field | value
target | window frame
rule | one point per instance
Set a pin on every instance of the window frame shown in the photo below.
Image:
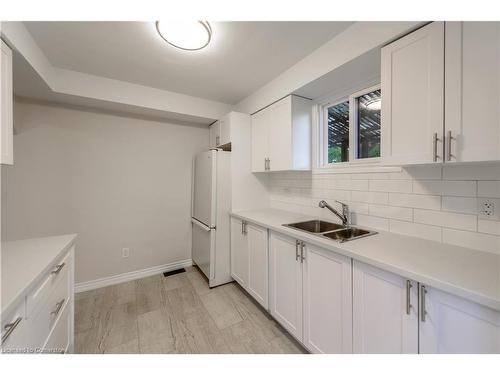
(353, 131)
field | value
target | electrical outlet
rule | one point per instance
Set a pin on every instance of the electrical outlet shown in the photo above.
(488, 208)
(125, 252)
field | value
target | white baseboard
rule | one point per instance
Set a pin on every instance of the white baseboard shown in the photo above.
(128, 276)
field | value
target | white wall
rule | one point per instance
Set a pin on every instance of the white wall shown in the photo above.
(356, 40)
(116, 181)
(431, 202)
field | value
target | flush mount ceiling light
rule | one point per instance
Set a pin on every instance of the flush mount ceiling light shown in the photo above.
(186, 35)
(374, 104)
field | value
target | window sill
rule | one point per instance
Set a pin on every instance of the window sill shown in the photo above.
(355, 167)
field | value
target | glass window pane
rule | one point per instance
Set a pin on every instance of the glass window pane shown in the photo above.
(338, 133)
(368, 126)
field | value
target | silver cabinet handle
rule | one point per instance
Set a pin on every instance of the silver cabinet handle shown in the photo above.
(242, 227)
(449, 139)
(435, 141)
(9, 328)
(245, 227)
(217, 140)
(297, 243)
(423, 292)
(302, 257)
(268, 164)
(59, 305)
(58, 268)
(408, 304)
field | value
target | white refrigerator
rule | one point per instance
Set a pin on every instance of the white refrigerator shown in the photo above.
(210, 215)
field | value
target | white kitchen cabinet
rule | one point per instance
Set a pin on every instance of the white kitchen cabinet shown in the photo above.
(6, 109)
(472, 91)
(239, 252)
(258, 262)
(281, 136)
(385, 311)
(250, 259)
(220, 132)
(412, 83)
(327, 289)
(454, 325)
(285, 283)
(215, 134)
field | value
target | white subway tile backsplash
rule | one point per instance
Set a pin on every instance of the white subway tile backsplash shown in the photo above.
(452, 188)
(471, 172)
(370, 221)
(488, 189)
(460, 204)
(391, 212)
(395, 186)
(370, 197)
(472, 240)
(445, 219)
(428, 232)
(432, 202)
(489, 226)
(424, 172)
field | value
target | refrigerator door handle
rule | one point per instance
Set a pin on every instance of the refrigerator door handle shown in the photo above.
(201, 225)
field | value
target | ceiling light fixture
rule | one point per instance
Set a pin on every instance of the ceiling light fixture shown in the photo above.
(186, 35)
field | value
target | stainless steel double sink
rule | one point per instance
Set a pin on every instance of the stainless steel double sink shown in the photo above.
(333, 231)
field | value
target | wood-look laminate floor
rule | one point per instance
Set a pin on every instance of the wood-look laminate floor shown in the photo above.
(175, 314)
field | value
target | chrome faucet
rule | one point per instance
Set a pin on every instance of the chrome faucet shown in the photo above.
(344, 216)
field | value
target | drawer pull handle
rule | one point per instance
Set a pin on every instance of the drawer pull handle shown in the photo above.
(59, 305)
(10, 328)
(58, 269)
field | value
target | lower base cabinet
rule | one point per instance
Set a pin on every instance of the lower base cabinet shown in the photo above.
(250, 259)
(385, 314)
(310, 294)
(285, 283)
(454, 325)
(327, 291)
(394, 315)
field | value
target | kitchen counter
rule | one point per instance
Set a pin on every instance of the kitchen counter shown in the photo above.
(24, 262)
(471, 274)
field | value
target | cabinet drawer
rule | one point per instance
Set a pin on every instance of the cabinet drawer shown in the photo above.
(58, 341)
(14, 331)
(40, 294)
(44, 316)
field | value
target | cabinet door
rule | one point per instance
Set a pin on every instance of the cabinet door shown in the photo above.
(381, 321)
(412, 76)
(285, 278)
(280, 135)
(258, 261)
(225, 130)
(454, 325)
(260, 140)
(327, 301)
(215, 135)
(6, 94)
(239, 253)
(472, 91)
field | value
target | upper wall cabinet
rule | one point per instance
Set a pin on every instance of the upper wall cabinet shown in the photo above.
(6, 118)
(281, 136)
(472, 91)
(412, 76)
(220, 132)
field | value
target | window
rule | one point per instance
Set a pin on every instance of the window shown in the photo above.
(368, 124)
(338, 132)
(351, 128)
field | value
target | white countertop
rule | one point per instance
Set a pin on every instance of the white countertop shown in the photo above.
(24, 262)
(471, 274)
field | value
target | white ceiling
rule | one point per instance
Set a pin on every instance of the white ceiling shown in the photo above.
(242, 56)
